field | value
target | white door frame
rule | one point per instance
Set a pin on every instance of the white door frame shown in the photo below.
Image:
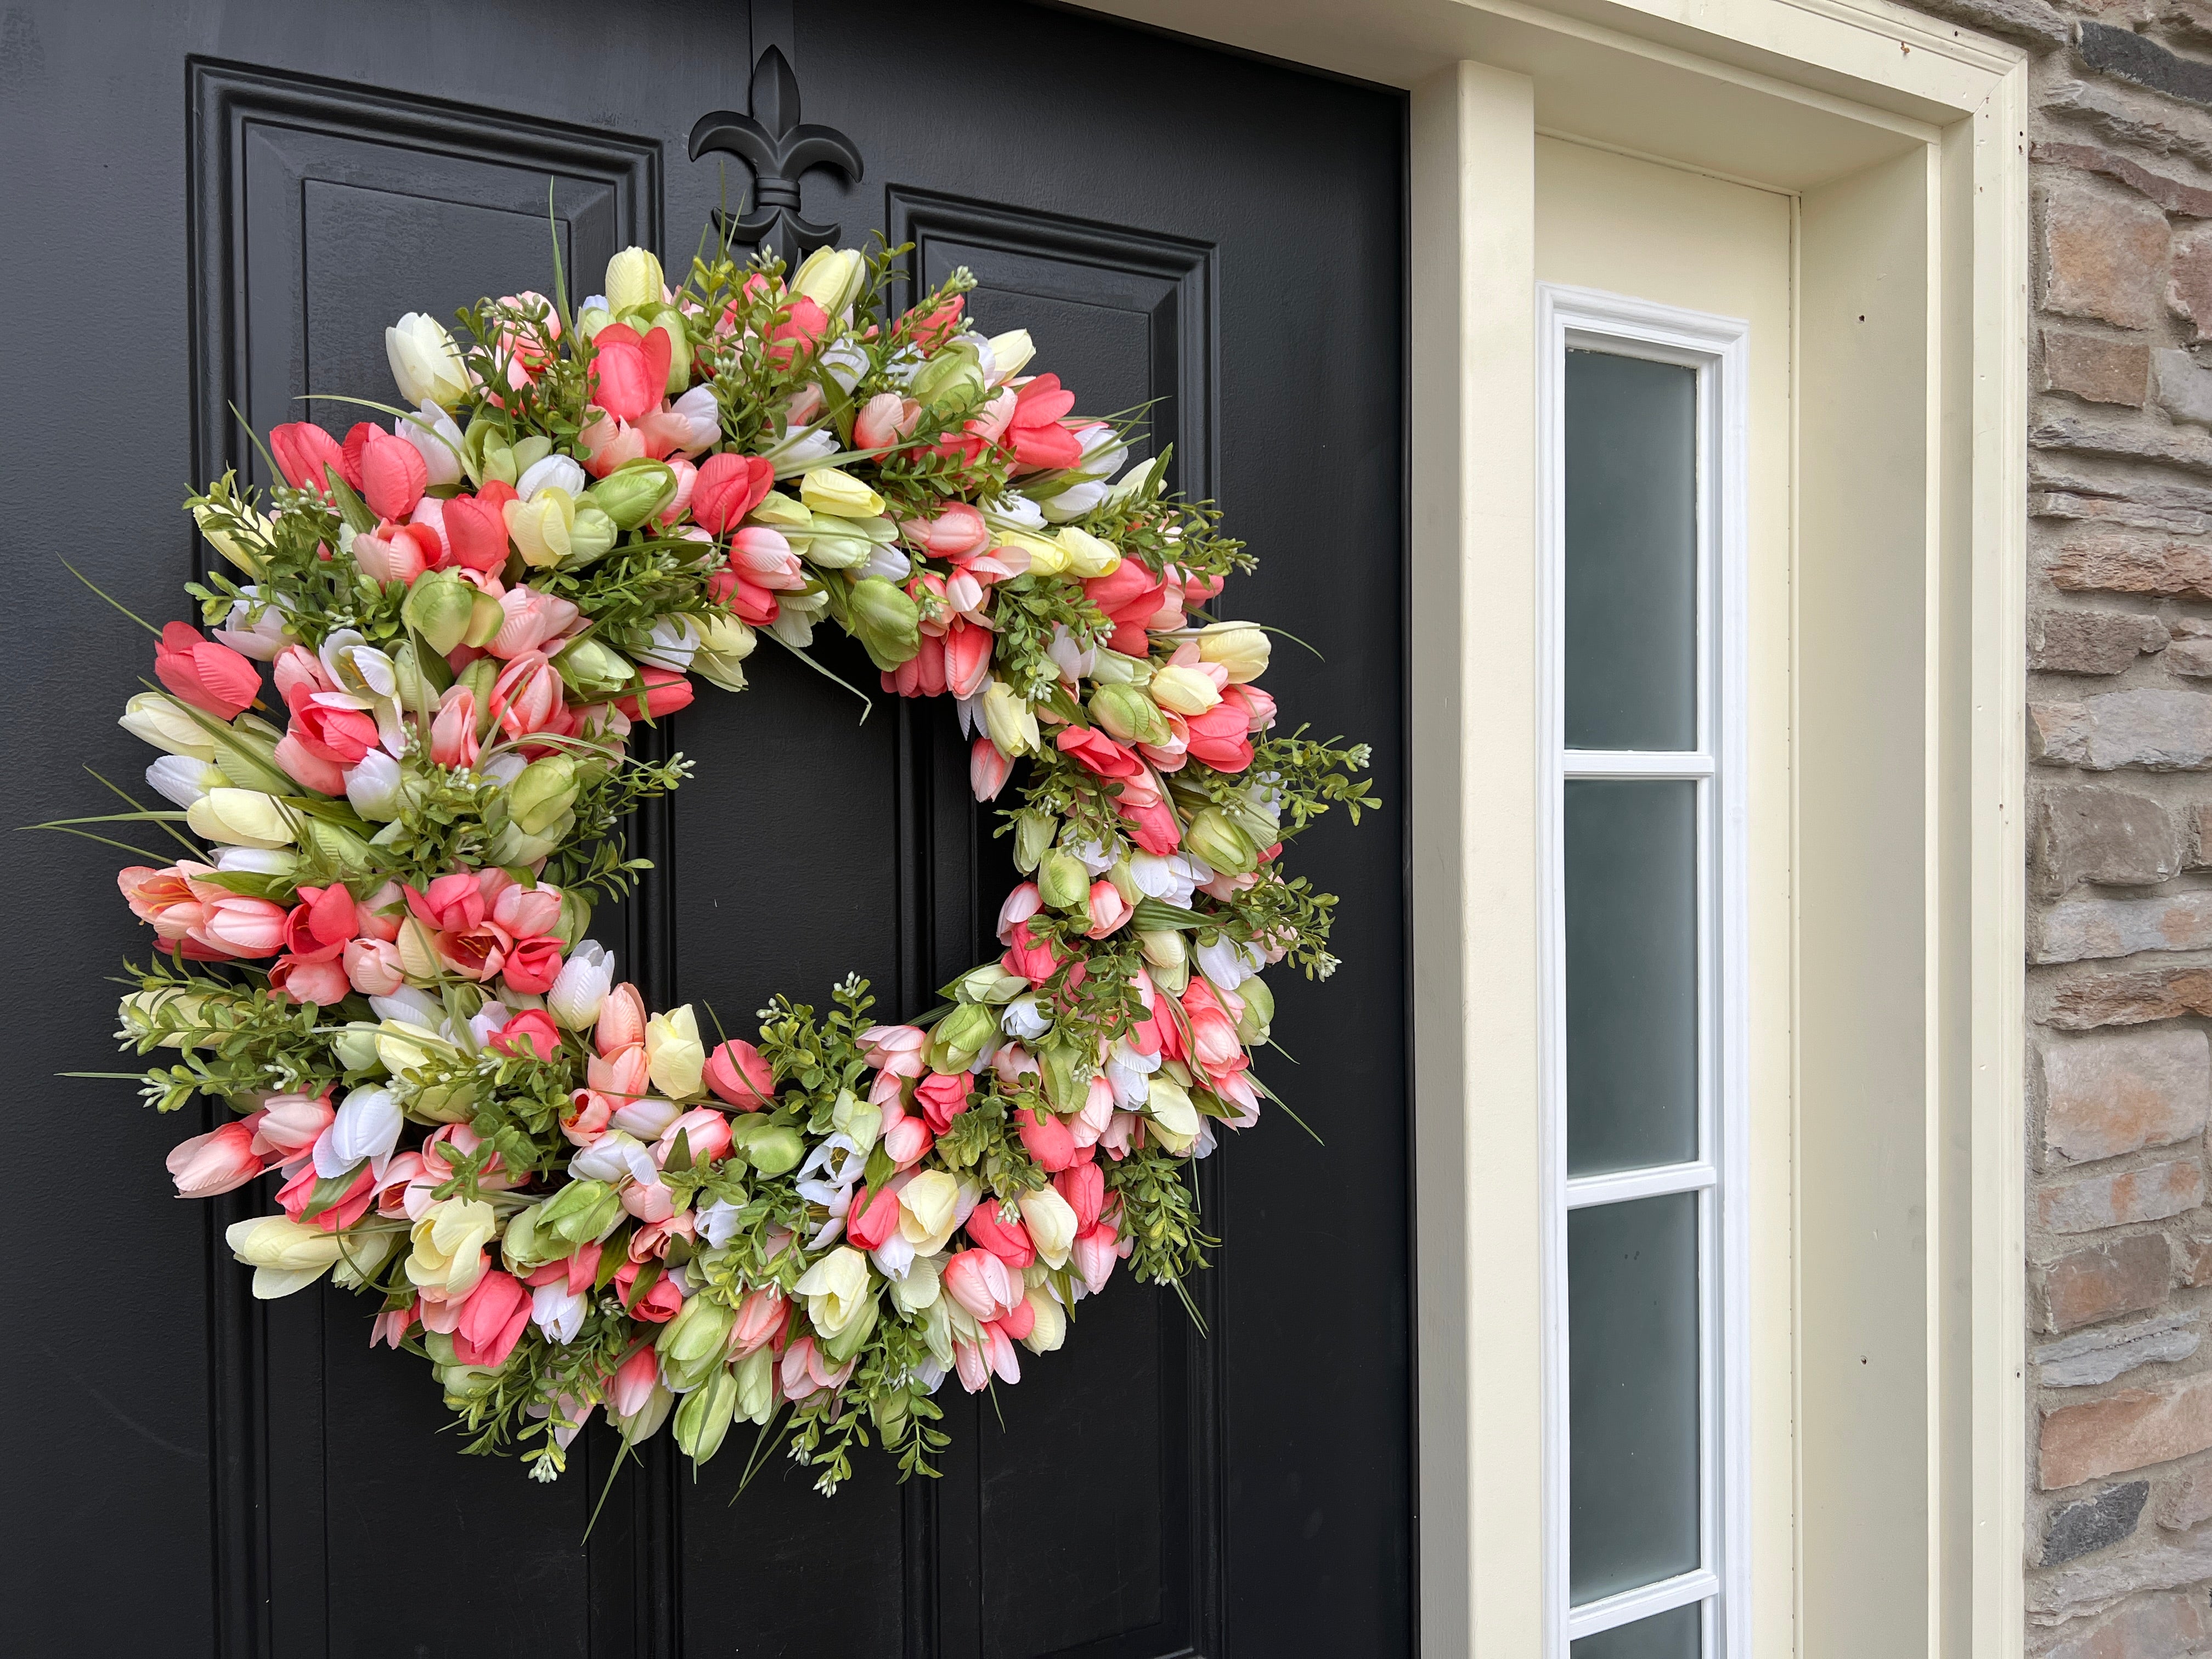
(1901, 138)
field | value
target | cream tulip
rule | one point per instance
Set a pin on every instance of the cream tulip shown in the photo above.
(425, 362)
(242, 818)
(162, 721)
(285, 1255)
(635, 281)
(449, 1240)
(835, 1289)
(675, 1058)
(929, 1209)
(1051, 1223)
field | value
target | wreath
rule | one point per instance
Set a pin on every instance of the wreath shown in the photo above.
(373, 950)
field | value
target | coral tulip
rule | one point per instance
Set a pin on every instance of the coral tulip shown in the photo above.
(218, 1161)
(212, 677)
(303, 450)
(737, 1072)
(729, 487)
(393, 474)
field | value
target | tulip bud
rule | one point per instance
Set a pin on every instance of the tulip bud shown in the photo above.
(1033, 834)
(226, 542)
(1066, 1085)
(854, 1117)
(1062, 881)
(354, 1046)
(540, 526)
(1009, 719)
(756, 1375)
(582, 985)
(1258, 1012)
(578, 1213)
(1169, 959)
(634, 281)
(162, 721)
(180, 780)
(425, 362)
(419, 676)
(725, 642)
(887, 621)
(831, 278)
(1240, 648)
(839, 494)
(1215, 836)
(958, 1038)
(675, 1057)
(439, 607)
(692, 1344)
(771, 1148)
(990, 984)
(593, 672)
(1088, 557)
(633, 493)
(286, 1256)
(1010, 354)
(1175, 1119)
(670, 321)
(1049, 1328)
(242, 818)
(953, 377)
(1128, 714)
(846, 1342)
(1183, 691)
(537, 800)
(704, 1415)
(591, 535)
(1046, 557)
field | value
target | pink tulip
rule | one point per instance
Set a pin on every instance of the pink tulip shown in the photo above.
(897, 1048)
(661, 1301)
(907, 1142)
(493, 1318)
(622, 1021)
(531, 619)
(729, 487)
(455, 901)
(1018, 907)
(478, 952)
(883, 420)
(940, 1097)
(372, 967)
(337, 734)
(1217, 736)
(872, 1218)
(1020, 1322)
(1109, 910)
(706, 1132)
(391, 553)
(1259, 706)
(307, 768)
(1095, 1250)
(392, 1326)
(1030, 958)
(297, 1194)
(299, 979)
(164, 899)
(1048, 1141)
(762, 1317)
(453, 733)
(530, 1033)
(393, 474)
(764, 558)
(606, 443)
(987, 770)
(218, 1161)
(302, 450)
(625, 1073)
(532, 966)
(289, 1125)
(1084, 1187)
(1099, 754)
(527, 697)
(633, 1382)
(982, 1283)
(629, 374)
(210, 677)
(737, 1072)
(526, 912)
(234, 925)
(1009, 1241)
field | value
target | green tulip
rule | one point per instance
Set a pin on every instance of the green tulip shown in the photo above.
(1215, 836)
(887, 621)
(670, 321)
(960, 1036)
(633, 493)
(354, 1045)
(1062, 881)
(954, 377)
(756, 1375)
(831, 278)
(1128, 714)
(704, 1415)
(775, 1150)
(542, 795)
(576, 1215)
(519, 1247)
(692, 1344)
(439, 607)
(594, 671)
(1258, 1012)
(847, 1343)
(1033, 833)
(591, 536)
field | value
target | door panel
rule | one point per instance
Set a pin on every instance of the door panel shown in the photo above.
(1151, 211)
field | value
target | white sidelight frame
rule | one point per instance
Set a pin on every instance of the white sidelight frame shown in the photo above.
(1717, 349)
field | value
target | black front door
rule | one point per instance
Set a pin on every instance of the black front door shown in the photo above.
(219, 206)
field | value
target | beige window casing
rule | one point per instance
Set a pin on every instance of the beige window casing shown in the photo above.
(1899, 140)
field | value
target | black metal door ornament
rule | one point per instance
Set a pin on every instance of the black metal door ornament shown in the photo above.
(780, 149)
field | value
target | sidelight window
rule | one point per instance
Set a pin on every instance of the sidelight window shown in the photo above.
(1645, 1439)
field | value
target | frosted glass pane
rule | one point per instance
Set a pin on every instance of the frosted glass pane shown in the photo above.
(1631, 585)
(1674, 1635)
(1631, 1393)
(1631, 878)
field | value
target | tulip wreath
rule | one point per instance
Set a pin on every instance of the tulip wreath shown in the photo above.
(373, 950)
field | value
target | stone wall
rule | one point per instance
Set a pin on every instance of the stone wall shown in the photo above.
(2119, 975)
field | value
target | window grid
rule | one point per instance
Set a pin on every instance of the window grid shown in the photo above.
(1715, 349)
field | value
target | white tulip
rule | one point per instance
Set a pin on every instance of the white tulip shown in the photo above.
(425, 362)
(675, 641)
(434, 434)
(366, 1125)
(181, 778)
(1010, 355)
(701, 417)
(410, 1007)
(373, 787)
(256, 860)
(260, 637)
(1229, 964)
(582, 985)
(162, 721)
(557, 1310)
(559, 471)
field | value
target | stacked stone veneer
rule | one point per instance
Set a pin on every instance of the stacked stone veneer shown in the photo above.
(2119, 991)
